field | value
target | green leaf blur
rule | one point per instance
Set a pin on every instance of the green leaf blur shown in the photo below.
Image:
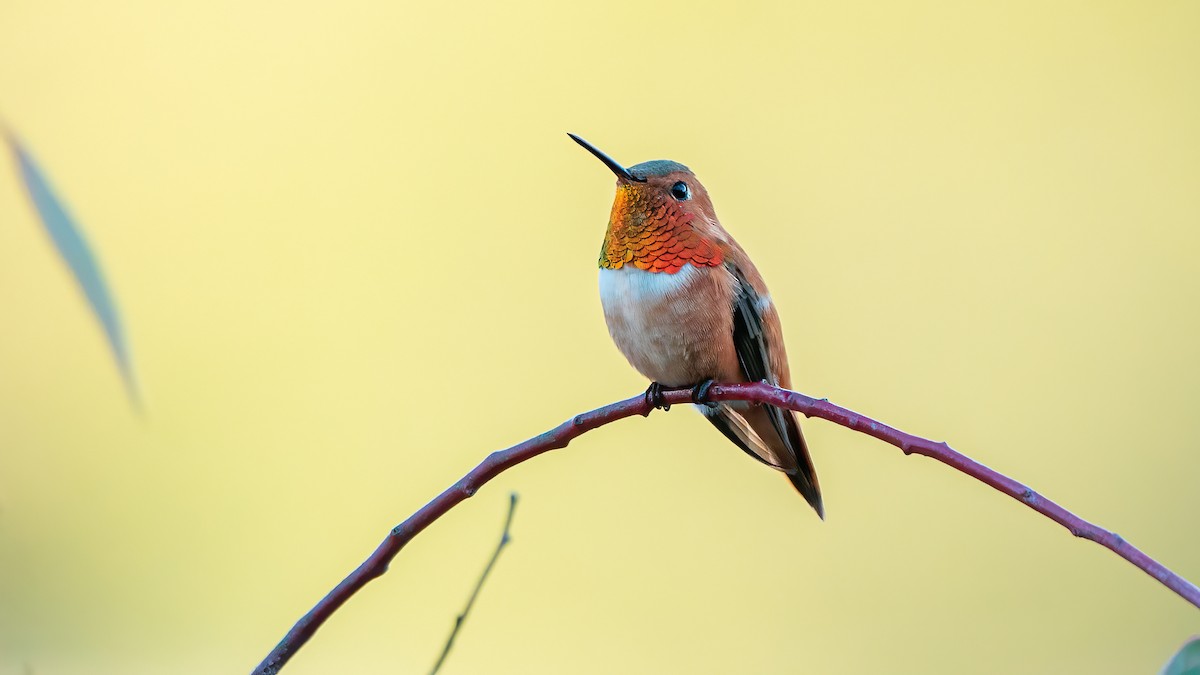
(1186, 661)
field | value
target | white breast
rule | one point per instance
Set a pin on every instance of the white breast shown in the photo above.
(652, 317)
(630, 286)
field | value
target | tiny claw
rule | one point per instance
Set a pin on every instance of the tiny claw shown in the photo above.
(654, 396)
(700, 393)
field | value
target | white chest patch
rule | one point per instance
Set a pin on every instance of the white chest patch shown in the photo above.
(631, 287)
(653, 317)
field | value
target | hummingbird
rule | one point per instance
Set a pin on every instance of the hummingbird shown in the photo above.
(686, 307)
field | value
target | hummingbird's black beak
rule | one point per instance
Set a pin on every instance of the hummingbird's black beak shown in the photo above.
(611, 163)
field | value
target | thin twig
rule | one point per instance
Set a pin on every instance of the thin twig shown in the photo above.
(558, 437)
(458, 621)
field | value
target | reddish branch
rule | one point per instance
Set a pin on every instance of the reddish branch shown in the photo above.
(561, 435)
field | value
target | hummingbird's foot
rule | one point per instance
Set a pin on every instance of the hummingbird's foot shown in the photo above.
(654, 396)
(700, 393)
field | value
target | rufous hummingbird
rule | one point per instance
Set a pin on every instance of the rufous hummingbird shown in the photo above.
(686, 307)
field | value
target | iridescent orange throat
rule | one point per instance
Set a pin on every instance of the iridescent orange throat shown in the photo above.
(653, 233)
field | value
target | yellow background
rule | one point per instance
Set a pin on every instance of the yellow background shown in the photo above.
(355, 252)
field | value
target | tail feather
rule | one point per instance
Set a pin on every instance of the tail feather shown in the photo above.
(805, 477)
(772, 436)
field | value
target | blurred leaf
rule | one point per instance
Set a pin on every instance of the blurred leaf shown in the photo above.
(1186, 661)
(73, 248)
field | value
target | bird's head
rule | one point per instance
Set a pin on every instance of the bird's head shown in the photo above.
(662, 217)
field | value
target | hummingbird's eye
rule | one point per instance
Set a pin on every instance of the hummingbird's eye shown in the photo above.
(681, 191)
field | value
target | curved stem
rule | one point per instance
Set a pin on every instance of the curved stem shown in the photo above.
(560, 436)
